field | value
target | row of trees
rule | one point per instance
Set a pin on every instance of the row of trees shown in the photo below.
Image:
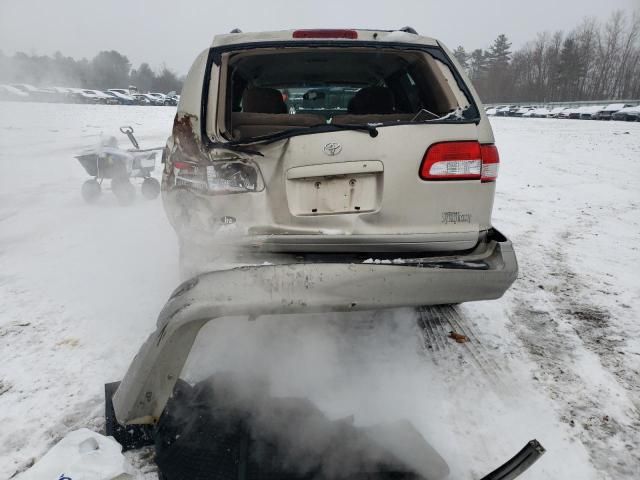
(108, 69)
(594, 61)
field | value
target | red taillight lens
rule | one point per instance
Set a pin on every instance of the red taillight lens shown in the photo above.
(466, 160)
(490, 163)
(326, 33)
(452, 161)
(183, 165)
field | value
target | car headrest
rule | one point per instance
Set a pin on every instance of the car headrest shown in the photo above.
(263, 100)
(372, 100)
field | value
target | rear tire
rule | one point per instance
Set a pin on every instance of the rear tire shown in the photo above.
(150, 188)
(91, 190)
(124, 191)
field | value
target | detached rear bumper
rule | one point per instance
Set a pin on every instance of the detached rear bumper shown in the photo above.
(312, 286)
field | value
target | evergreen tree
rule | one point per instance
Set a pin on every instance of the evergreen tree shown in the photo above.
(462, 56)
(569, 70)
(499, 53)
(477, 64)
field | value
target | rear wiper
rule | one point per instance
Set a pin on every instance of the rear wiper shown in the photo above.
(370, 128)
(293, 132)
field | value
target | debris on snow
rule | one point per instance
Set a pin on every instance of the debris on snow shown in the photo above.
(458, 337)
(82, 455)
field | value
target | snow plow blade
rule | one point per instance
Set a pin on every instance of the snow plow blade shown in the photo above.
(296, 289)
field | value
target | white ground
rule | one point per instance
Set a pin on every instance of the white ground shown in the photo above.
(557, 359)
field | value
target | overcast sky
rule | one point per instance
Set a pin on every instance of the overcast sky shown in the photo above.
(174, 32)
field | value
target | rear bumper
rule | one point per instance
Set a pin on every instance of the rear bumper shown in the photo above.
(294, 288)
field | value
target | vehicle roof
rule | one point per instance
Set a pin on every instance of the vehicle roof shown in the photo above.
(635, 108)
(614, 106)
(287, 35)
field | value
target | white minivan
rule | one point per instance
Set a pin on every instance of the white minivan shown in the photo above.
(336, 146)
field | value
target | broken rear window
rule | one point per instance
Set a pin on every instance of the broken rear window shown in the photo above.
(269, 91)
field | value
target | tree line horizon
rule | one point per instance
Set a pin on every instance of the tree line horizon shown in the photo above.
(108, 69)
(593, 61)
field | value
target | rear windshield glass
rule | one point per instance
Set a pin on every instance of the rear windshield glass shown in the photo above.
(271, 91)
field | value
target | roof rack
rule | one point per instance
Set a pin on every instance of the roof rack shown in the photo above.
(409, 30)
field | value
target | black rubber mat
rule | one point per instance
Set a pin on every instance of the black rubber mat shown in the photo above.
(129, 436)
(220, 429)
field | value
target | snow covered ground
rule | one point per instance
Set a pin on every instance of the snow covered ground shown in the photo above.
(557, 359)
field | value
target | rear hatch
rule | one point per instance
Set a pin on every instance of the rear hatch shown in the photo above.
(358, 146)
(370, 194)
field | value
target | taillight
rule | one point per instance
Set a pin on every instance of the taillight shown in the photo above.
(326, 33)
(466, 160)
(220, 177)
(183, 166)
(490, 163)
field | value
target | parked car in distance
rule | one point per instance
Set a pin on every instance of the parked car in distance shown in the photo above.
(122, 91)
(63, 94)
(574, 113)
(521, 111)
(171, 99)
(606, 112)
(11, 93)
(160, 97)
(35, 93)
(121, 98)
(87, 95)
(146, 99)
(540, 112)
(586, 112)
(630, 114)
(141, 99)
(504, 111)
(556, 112)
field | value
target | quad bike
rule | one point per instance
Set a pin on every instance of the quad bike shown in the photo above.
(108, 161)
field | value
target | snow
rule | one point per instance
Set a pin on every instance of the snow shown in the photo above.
(81, 285)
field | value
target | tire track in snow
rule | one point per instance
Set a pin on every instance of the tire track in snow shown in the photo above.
(435, 324)
(564, 332)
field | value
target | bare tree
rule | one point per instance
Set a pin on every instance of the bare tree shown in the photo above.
(593, 61)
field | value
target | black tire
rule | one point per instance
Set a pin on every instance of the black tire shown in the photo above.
(150, 188)
(124, 191)
(91, 190)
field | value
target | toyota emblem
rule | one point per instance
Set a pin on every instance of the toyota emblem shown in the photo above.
(332, 149)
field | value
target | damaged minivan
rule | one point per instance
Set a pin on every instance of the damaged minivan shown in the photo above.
(314, 171)
(338, 146)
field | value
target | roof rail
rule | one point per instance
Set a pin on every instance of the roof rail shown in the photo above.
(409, 30)
(236, 30)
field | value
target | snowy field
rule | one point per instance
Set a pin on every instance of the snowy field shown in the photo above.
(557, 359)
